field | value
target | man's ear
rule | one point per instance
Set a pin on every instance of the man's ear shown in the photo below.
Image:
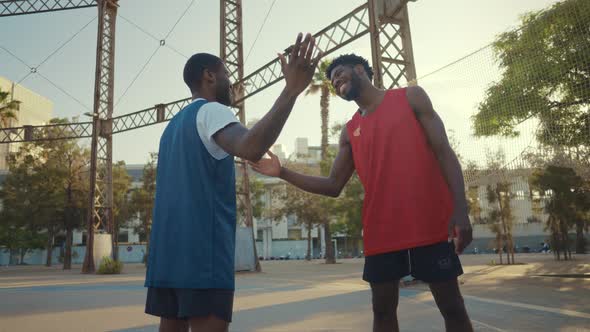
(359, 69)
(209, 76)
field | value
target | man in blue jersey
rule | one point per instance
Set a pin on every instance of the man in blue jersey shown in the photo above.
(190, 275)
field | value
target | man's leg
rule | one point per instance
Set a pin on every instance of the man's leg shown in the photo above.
(439, 266)
(162, 302)
(385, 297)
(208, 324)
(451, 305)
(173, 325)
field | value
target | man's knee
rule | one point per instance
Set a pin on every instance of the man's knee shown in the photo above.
(385, 299)
(453, 308)
(448, 299)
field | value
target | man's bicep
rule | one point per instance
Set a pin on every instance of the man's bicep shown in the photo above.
(430, 121)
(230, 138)
(435, 131)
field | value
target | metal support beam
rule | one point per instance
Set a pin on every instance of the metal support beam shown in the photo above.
(391, 44)
(342, 32)
(122, 123)
(100, 214)
(231, 45)
(23, 7)
(336, 35)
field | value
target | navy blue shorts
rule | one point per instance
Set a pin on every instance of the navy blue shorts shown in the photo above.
(433, 263)
(184, 303)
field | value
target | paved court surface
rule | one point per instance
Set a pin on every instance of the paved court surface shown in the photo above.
(541, 295)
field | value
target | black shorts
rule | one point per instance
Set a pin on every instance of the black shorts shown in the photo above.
(433, 263)
(184, 303)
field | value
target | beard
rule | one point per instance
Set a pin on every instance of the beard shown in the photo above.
(223, 94)
(355, 88)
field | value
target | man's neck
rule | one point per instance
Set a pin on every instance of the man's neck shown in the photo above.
(207, 96)
(369, 98)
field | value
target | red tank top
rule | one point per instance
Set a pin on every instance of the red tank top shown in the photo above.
(407, 201)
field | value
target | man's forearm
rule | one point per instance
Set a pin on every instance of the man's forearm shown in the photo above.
(454, 176)
(313, 184)
(266, 131)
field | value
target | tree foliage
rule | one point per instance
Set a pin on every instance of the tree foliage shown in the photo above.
(8, 109)
(546, 75)
(46, 192)
(499, 196)
(142, 200)
(567, 204)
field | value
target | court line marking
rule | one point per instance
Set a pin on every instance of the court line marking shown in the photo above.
(564, 312)
(497, 329)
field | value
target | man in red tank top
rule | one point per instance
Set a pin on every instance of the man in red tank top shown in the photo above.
(414, 192)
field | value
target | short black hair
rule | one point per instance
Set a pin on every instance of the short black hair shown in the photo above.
(351, 60)
(194, 67)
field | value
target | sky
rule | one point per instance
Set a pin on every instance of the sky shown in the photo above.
(442, 32)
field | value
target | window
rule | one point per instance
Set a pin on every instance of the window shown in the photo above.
(123, 237)
(291, 221)
(294, 234)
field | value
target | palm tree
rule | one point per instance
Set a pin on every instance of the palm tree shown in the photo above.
(322, 84)
(8, 108)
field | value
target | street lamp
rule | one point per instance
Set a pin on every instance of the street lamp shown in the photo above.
(92, 115)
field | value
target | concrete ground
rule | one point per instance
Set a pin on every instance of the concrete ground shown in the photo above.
(540, 295)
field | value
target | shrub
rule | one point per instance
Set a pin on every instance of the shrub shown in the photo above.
(110, 266)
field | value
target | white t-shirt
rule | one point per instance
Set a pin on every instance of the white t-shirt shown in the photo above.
(211, 118)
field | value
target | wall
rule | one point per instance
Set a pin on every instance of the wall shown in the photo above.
(244, 260)
(133, 253)
(38, 256)
(282, 248)
(33, 110)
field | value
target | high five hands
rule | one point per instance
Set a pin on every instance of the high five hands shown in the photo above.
(299, 68)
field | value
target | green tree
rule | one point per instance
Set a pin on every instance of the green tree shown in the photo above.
(8, 109)
(19, 241)
(122, 211)
(142, 201)
(321, 84)
(500, 219)
(257, 191)
(472, 192)
(66, 168)
(348, 210)
(307, 208)
(28, 197)
(18, 233)
(544, 76)
(77, 188)
(51, 179)
(567, 205)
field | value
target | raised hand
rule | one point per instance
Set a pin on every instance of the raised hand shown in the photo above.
(300, 67)
(266, 166)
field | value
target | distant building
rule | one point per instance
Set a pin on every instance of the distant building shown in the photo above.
(278, 150)
(33, 110)
(301, 146)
